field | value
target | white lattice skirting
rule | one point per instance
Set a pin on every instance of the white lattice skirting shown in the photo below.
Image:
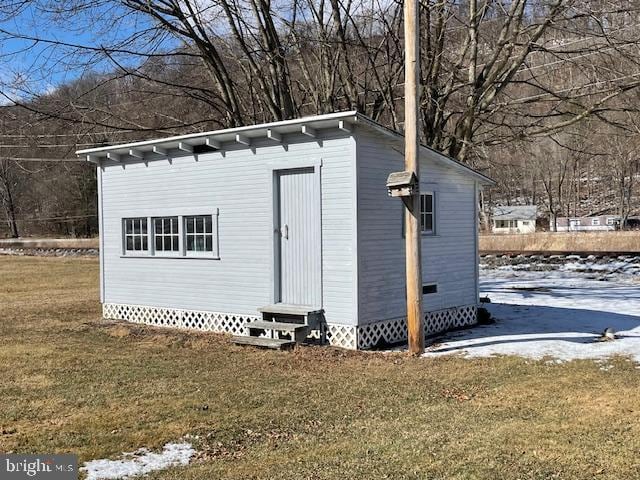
(395, 330)
(345, 336)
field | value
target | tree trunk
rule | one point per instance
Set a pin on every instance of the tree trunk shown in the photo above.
(485, 214)
(553, 222)
(9, 207)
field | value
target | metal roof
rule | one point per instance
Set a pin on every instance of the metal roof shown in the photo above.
(515, 212)
(157, 149)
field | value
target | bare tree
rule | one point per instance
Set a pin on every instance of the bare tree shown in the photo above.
(623, 169)
(493, 71)
(553, 177)
(8, 185)
(502, 79)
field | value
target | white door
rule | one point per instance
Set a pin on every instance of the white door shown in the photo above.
(298, 279)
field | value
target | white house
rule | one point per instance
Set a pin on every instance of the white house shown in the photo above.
(288, 221)
(514, 219)
(596, 223)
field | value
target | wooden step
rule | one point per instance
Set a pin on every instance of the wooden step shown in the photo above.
(272, 343)
(286, 309)
(277, 326)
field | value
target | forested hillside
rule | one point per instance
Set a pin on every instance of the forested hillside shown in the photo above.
(540, 95)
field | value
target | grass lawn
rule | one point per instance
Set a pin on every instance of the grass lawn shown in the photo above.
(70, 383)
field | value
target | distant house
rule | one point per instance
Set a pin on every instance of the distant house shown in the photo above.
(588, 224)
(514, 219)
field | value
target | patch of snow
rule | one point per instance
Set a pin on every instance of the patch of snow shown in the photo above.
(560, 315)
(624, 266)
(138, 463)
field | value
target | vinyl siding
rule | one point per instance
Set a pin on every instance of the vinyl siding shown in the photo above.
(449, 258)
(239, 186)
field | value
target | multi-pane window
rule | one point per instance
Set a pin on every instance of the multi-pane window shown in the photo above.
(166, 235)
(136, 237)
(427, 216)
(172, 236)
(198, 234)
(508, 223)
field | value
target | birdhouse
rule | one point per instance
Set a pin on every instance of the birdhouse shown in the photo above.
(401, 184)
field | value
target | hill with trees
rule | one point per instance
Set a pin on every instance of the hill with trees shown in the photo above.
(540, 95)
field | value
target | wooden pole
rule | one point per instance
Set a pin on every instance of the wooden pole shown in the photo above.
(413, 235)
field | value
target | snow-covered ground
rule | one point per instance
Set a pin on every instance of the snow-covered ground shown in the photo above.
(139, 463)
(620, 266)
(557, 314)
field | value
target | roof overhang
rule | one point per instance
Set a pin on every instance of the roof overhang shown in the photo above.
(435, 154)
(218, 139)
(275, 131)
(512, 217)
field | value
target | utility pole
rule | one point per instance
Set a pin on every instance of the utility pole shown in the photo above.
(413, 235)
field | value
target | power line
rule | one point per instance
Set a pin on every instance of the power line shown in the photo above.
(578, 88)
(74, 145)
(53, 160)
(62, 219)
(60, 135)
(398, 85)
(394, 99)
(571, 59)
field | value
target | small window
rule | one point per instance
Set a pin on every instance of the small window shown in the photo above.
(165, 234)
(507, 223)
(198, 234)
(136, 237)
(427, 217)
(595, 221)
(525, 223)
(429, 288)
(611, 221)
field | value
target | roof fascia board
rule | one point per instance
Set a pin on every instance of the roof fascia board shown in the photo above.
(235, 130)
(92, 154)
(445, 159)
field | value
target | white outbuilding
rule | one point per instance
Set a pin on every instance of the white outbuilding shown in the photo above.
(288, 223)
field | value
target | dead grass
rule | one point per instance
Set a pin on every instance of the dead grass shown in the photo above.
(73, 384)
(562, 242)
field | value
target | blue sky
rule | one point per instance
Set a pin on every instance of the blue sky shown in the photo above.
(42, 66)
